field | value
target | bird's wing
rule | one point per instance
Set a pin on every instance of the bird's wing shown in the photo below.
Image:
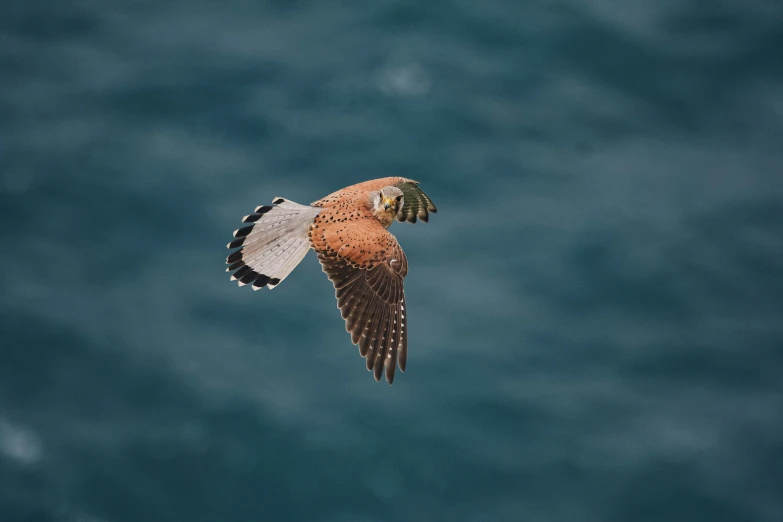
(366, 265)
(415, 203)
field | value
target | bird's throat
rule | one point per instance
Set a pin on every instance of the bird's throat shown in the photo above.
(386, 217)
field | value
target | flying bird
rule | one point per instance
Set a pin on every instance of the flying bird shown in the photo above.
(348, 231)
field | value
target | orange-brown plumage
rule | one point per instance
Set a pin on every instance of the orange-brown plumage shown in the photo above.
(365, 263)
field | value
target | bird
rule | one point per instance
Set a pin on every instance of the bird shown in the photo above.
(348, 230)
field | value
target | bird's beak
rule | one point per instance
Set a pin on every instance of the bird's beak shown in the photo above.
(388, 203)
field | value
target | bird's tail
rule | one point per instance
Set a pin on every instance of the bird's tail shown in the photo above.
(272, 244)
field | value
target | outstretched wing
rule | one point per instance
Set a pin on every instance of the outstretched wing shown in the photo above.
(366, 265)
(415, 203)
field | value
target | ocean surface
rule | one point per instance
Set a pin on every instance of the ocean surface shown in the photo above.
(596, 311)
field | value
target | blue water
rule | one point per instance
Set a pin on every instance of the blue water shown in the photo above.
(596, 311)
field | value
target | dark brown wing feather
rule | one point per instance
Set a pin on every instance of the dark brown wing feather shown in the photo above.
(416, 204)
(372, 303)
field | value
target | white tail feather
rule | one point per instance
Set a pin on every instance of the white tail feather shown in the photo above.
(277, 242)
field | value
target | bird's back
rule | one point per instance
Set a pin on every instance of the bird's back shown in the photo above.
(353, 192)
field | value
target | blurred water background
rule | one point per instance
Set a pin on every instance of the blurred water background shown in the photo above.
(596, 312)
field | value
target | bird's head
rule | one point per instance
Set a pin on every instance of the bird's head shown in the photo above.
(386, 203)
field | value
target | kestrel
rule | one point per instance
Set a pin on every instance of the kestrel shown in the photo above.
(364, 262)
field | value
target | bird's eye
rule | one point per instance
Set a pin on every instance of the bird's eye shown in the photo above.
(399, 198)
